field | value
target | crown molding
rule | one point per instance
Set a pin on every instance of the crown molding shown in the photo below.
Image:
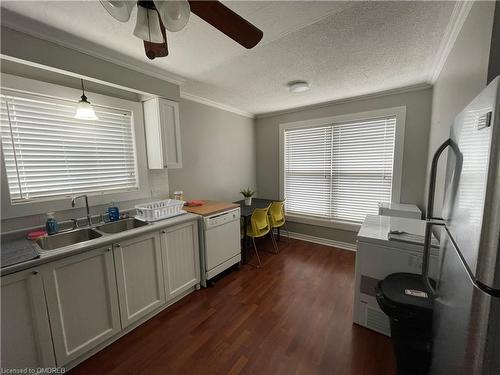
(212, 103)
(39, 30)
(401, 90)
(458, 16)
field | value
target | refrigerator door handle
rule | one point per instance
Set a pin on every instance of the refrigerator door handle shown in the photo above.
(431, 220)
(432, 179)
(427, 255)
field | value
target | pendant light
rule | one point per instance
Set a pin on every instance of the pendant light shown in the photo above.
(84, 110)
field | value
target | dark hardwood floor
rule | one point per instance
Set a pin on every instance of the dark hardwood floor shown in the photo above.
(293, 316)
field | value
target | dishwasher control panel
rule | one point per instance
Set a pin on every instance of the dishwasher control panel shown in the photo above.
(222, 218)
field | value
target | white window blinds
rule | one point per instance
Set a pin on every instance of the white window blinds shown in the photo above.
(49, 154)
(339, 171)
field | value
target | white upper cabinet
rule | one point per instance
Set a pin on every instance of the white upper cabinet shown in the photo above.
(26, 338)
(163, 137)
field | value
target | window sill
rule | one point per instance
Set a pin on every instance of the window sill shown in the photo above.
(335, 224)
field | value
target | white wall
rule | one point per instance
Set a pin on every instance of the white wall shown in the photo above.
(218, 153)
(463, 76)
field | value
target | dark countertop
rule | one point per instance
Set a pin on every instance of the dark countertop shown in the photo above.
(17, 249)
(63, 252)
(256, 203)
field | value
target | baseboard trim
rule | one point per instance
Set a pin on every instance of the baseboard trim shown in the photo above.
(324, 241)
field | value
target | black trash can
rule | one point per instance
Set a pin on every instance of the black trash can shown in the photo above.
(403, 297)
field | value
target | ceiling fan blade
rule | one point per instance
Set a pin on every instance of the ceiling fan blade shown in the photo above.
(228, 22)
(154, 50)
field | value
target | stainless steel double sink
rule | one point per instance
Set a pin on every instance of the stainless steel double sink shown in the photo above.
(57, 241)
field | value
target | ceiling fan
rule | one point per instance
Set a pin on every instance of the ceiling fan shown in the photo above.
(154, 17)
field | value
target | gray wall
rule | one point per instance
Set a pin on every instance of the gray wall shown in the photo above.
(40, 74)
(218, 147)
(463, 76)
(218, 152)
(418, 112)
(26, 47)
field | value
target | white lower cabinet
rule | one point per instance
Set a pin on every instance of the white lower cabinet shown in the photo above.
(26, 340)
(55, 314)
(139, 275)
(82, 301)
(181, 258)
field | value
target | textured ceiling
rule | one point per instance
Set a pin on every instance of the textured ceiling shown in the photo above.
(343, 49)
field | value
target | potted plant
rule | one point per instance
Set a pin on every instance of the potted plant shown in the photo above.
(247, 193)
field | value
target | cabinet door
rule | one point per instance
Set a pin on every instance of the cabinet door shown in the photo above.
(26, 340)
(181, 258)
(170, 129)
(139, 276)
(82, 302)
(163, 138)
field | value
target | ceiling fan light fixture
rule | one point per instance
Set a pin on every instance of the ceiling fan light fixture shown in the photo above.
(147, 25)
(84, 110)
(174, 14)
(298, 86)
(119, 10)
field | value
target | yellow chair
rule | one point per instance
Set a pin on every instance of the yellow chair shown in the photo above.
(259, 226)
(277, 216)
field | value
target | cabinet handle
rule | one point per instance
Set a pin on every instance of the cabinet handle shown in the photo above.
(165, 166)
(117, 245)
(108, 249)
(163, 231)
(35, 272)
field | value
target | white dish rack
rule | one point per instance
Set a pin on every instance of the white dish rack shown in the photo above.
(159, 210)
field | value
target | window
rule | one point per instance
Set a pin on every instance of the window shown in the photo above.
(339, 171)
(49, 154)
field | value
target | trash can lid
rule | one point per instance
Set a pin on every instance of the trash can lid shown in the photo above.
(407, 291)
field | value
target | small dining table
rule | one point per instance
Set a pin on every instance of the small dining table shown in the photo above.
(246, 213)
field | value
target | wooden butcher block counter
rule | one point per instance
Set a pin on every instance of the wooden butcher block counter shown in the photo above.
(211, 207)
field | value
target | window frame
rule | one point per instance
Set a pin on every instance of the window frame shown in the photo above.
(29, 86)
(397, 167)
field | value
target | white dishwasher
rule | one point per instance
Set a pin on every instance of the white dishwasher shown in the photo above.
(222, 248)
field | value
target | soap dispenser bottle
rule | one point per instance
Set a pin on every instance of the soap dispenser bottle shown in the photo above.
(51, 225)
(113, 212)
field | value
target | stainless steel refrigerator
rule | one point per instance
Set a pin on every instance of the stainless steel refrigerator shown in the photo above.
(466, 317)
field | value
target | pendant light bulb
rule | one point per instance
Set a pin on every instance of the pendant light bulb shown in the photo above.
(84, 110)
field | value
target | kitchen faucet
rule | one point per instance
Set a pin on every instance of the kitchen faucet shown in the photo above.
(89, 219)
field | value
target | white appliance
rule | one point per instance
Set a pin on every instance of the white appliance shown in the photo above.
(378, 256)
(222, 245)
(400, 210)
